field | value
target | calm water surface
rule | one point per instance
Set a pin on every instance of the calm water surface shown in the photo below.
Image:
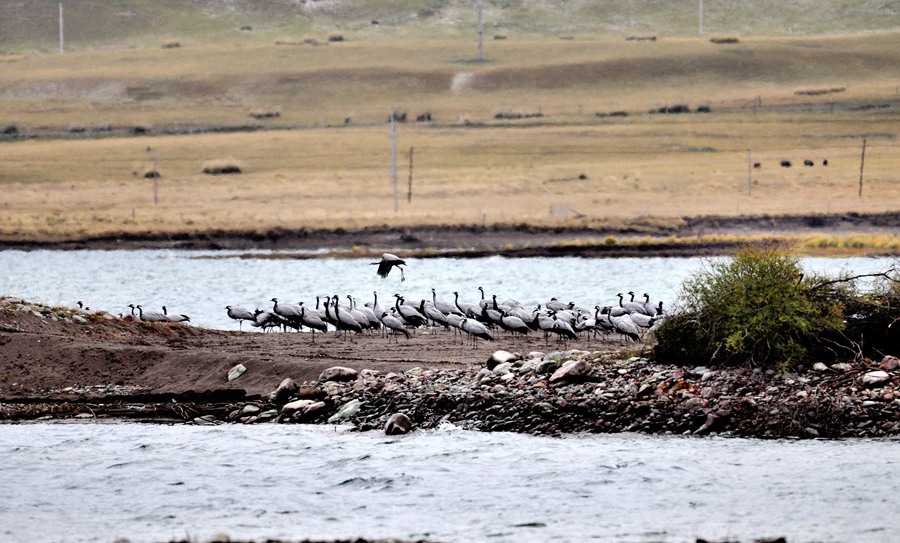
(73, 482)
(187, 282)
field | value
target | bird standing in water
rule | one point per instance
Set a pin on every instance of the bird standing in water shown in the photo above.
(387, 262)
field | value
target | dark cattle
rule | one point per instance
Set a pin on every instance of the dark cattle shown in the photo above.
(825, 162)
(757, 165)
(785, 163)
(807, 162)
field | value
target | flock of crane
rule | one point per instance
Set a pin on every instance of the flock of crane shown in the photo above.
(482, 320)
(630, 319)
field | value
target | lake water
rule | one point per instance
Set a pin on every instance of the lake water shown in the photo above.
(192, 283)
(90, 482)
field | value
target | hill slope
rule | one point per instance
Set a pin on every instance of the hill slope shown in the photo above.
(131, 23)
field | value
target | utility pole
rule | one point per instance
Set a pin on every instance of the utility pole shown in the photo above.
(394, 159)
(701, 17)
(480, 32)
(862, 162)
(749, 172)
(61, 28)
(409, 189)
(155, 180)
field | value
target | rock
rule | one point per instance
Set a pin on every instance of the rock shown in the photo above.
(250, 409)
(841, 366)
(645, 391)
(293, 407)
(874, 378)
(890, 363)
(206, 420)
(79, 319)
(308, 392)
(711, 421)
(285, 390)
(572, 370)
(398, 424)
(268, 414)
(819, 366)
(338, 373)
(347, 411)
(236, 372)
(546, 366)
(499, 357)
(313, 407)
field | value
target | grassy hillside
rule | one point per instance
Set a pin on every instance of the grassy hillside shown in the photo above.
(33, 25)
(558, 126)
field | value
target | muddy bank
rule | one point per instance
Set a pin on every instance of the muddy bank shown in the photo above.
(476, 240)
(62, 364)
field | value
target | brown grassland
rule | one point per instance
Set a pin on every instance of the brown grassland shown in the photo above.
(321, 160)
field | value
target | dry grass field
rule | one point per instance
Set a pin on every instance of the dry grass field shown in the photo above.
(307, 124)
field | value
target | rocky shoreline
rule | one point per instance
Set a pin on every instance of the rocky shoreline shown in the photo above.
(547, 394)
(597, 392)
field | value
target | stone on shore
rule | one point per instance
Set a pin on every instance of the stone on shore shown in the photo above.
(236, 372)
(290, 408)
(875, 378)
(398, 424)
(572, 370)
(338, 373)
(283, 393)
(890, 363)
(347, 411)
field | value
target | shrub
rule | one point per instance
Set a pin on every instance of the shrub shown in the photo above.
(755, 308)
(223, 166)
(261, 113)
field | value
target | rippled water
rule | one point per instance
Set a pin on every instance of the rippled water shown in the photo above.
(95, 482)
(188, 282)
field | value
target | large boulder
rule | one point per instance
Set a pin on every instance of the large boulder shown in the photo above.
(283, 393)
(398, 424)
(347, 411)
(338, 373)
(572, 370)
(289, 409)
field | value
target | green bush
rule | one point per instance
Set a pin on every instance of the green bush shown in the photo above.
(755, 308)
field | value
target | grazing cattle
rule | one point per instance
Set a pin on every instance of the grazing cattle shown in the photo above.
(757, 165)
(807, 162)
(825, 162)
(785, 163)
